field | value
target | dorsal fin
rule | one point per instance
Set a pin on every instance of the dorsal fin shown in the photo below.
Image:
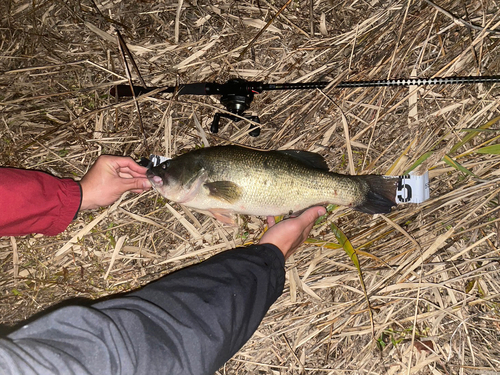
(311, 159)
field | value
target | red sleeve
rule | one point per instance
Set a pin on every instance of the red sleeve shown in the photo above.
(36, 202)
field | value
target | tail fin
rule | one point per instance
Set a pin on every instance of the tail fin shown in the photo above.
(381, 194)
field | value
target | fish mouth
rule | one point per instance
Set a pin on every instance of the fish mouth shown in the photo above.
(155, 180)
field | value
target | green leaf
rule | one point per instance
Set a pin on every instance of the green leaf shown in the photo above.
(351, 252)
(493, 149)
(381, 344)
(480, 291)
(328, 245)
(469, 286)
(457, 166)
(471, 135)
(419, 161)
(479, 130)
(329, 209)
(346, 244)
(63, 153)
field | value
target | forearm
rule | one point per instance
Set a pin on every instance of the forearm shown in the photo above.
(216, 306)
(36, 202)
(189, 322)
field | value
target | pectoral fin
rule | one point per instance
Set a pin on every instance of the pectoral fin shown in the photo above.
(225, 217)
(224, 190)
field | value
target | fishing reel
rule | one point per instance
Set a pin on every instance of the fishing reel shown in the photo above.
(236, 103)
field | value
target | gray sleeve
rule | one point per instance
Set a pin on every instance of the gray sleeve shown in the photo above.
(189, 322)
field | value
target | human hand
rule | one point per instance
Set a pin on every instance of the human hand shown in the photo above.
(109, 178)
(289, 234)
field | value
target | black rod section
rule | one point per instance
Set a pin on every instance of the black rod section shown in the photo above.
(382, 83)
(245, 87)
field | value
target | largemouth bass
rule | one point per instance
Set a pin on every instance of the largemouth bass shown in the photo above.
(230, 179)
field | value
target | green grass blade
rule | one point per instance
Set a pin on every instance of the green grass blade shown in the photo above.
(457, 166)
(329, 209)
(493, 149)
(471, 135)
(479, 130)
(351, 252)
(346, 245)
(419, 161)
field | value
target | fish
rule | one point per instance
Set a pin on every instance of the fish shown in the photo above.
(226, 180)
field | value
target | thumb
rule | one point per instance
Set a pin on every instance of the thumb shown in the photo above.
(311, 214)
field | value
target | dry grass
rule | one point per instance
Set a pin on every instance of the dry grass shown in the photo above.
(431, 270)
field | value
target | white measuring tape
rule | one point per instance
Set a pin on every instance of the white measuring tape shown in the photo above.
(413, 189)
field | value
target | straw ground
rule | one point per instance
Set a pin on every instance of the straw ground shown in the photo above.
(430, 270)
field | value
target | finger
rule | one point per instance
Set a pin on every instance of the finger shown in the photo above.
(136, 172)
(135, 184)
(125, 163)
(311, 218)
(133, 167)
(125, 175)
(270, 221)
(138, 191)
(130, 172)
(312, 214)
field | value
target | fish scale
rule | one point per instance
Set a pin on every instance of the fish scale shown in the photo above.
(254, 172)
(231, 179)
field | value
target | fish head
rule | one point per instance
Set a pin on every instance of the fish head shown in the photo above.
(176, 181)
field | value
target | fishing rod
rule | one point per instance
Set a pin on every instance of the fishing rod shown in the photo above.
(237, 94)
